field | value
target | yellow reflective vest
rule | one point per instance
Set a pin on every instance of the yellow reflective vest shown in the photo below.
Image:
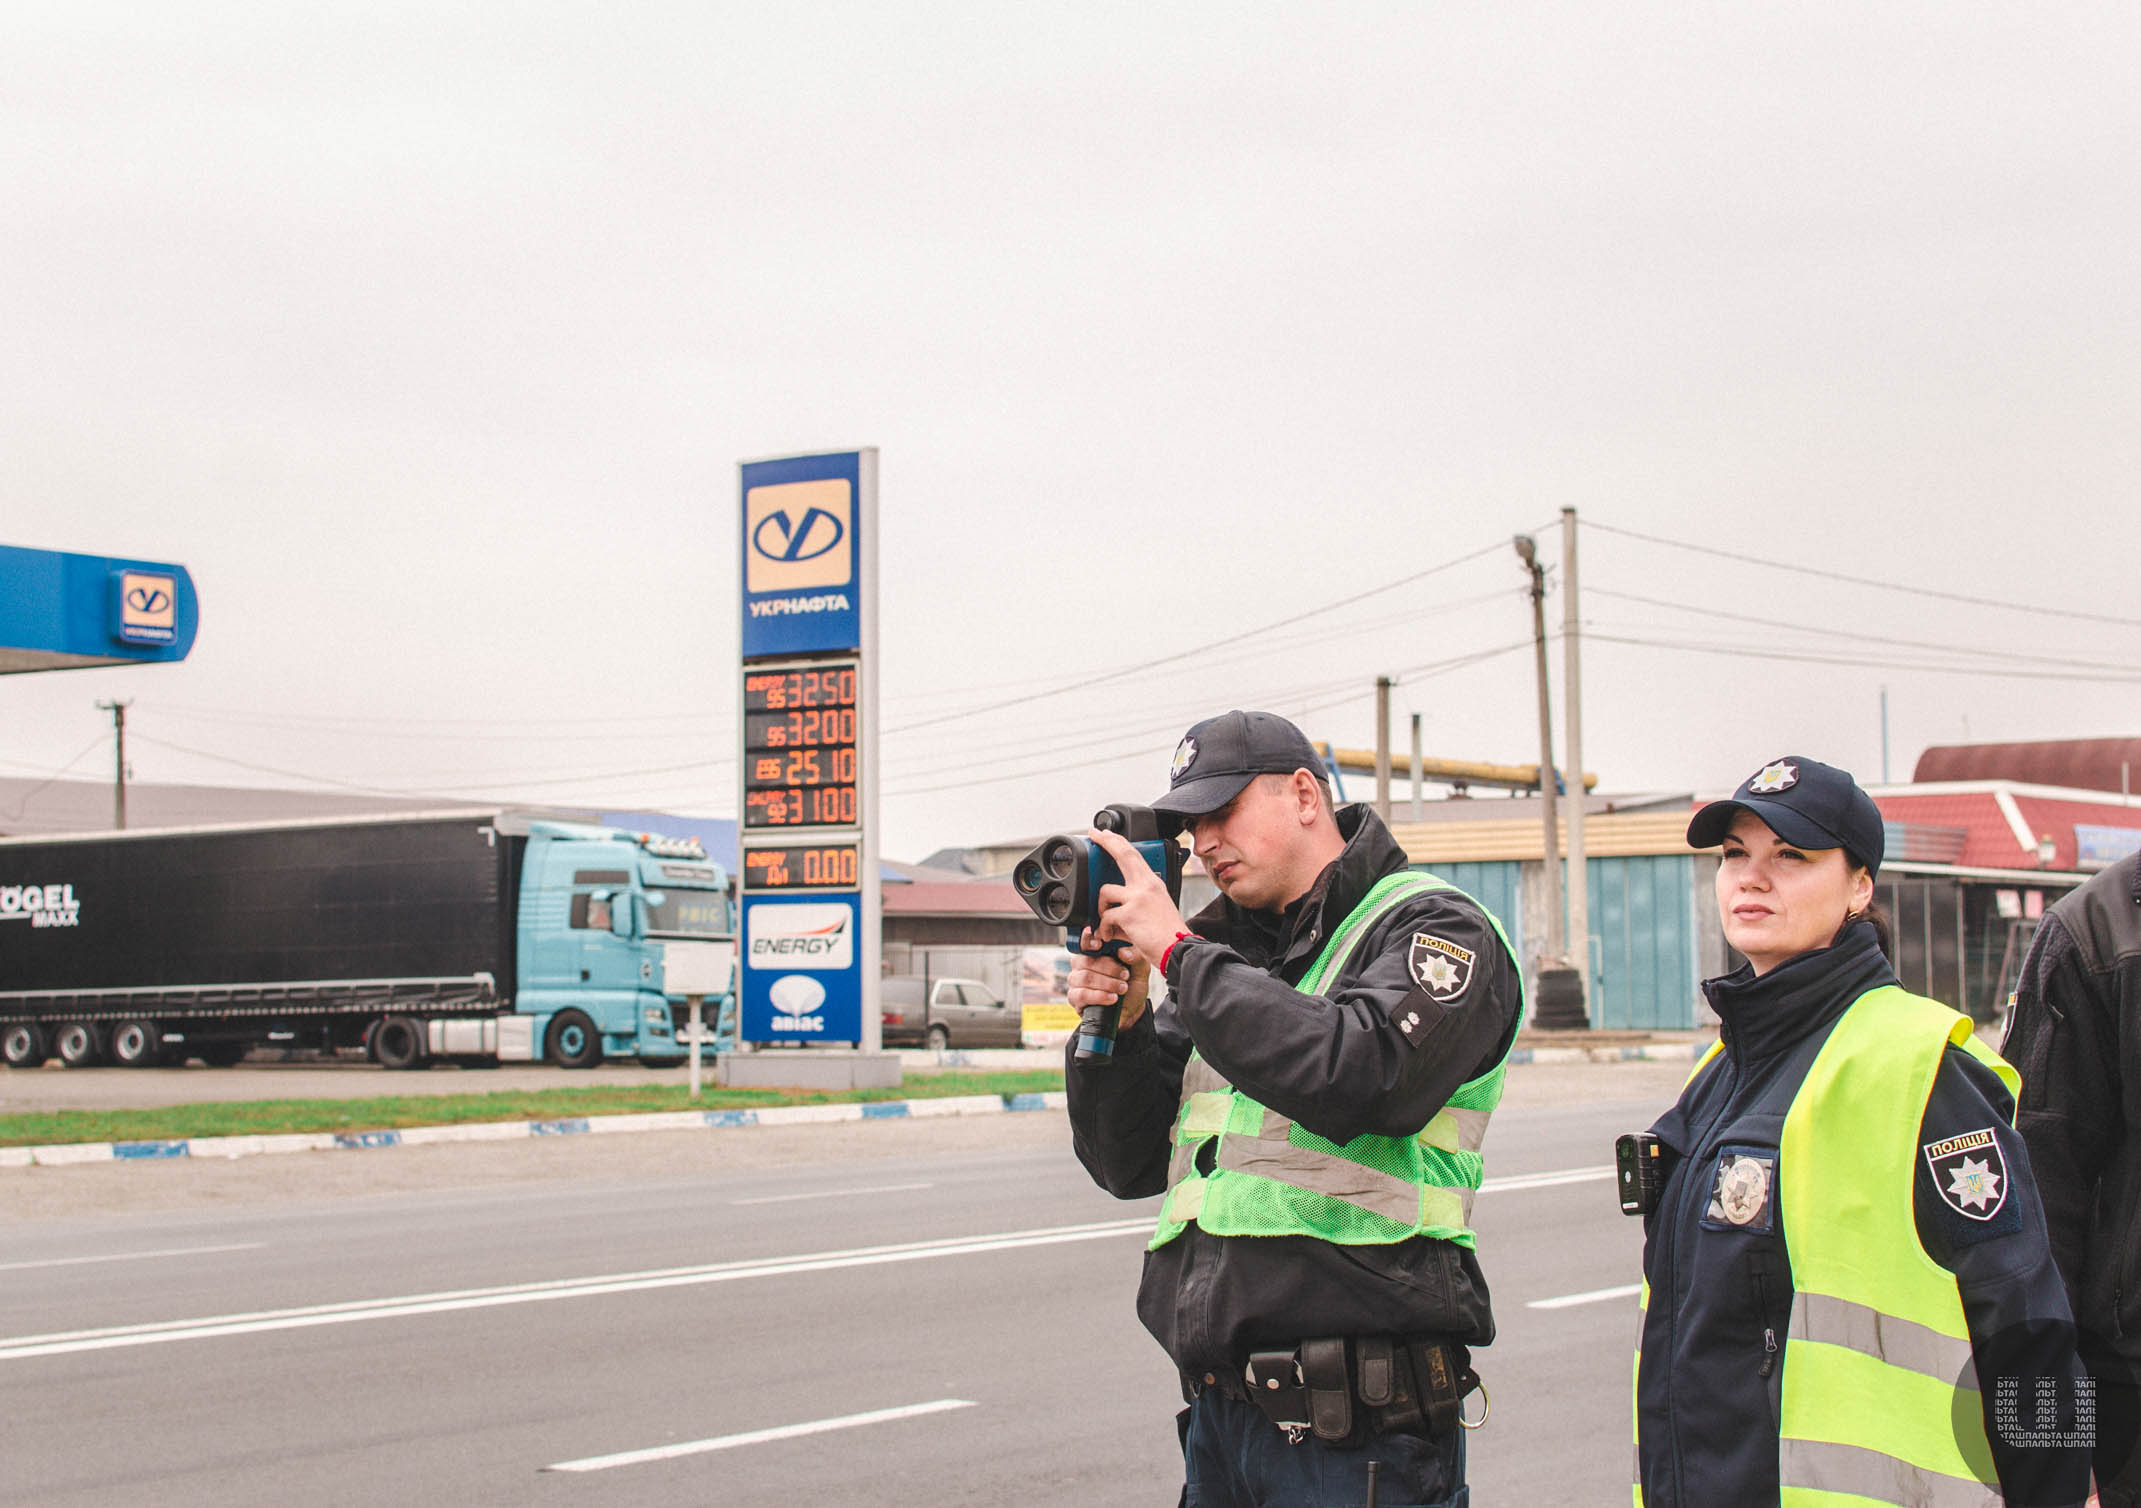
(1879, 1395)
(1272, 1177)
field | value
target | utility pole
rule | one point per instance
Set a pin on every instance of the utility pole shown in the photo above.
(1572, 695)
(1417, 814)
(1560, 992)
(1382, 748)
(117, 709)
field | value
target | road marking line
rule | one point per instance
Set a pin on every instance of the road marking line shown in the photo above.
(61, 1343)
(888, 1188)
(1521, 1181)
(759, 1436)
(130, 1256)
(1595, 1296)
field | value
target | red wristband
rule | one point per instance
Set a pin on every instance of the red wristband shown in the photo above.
(1171, 951)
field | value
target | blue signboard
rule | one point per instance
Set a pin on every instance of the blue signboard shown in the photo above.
(60, 611)
(802, 968)
(802, 555)
(2101, 847)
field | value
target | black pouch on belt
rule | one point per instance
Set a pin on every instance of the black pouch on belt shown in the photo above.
(1328, 1375)
(1275, 1386)
(1385, 1384)
(1439, 1372)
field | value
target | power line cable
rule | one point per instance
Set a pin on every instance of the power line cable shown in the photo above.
(1859, 661)
(24, 804)
(1860, 636)
(1169, 659)
(1886, 586)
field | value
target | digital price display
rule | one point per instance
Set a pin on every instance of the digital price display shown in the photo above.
(800, 760)
(826, 866)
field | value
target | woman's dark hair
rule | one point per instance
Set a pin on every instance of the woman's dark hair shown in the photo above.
(1882, 932)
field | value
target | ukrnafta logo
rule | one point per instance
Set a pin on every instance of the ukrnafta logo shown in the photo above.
(2046, 1415)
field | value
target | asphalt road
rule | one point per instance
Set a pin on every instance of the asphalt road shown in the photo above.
(902, 1313)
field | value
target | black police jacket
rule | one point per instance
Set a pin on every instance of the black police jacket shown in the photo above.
(1711, 1383)
(2075, 1035)
(1340, 1064)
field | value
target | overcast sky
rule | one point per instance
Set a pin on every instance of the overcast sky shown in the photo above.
(428, 338)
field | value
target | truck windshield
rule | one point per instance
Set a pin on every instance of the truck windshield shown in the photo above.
(690, 913)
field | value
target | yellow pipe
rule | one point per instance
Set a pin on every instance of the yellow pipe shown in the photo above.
(1516, 777)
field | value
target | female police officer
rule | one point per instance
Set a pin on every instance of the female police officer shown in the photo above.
(1845, 1265)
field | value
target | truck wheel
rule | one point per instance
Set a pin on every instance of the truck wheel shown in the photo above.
(939, 1038)
(22, 1044)
(137, 1044)
(574, 1042)
(398, 1042)
(78, 1044)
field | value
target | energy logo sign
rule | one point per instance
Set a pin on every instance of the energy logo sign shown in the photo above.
(802, 937)
(797, 536)
(40, 905)
(146, 609)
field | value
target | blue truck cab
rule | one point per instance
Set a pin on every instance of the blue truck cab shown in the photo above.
(615, 931)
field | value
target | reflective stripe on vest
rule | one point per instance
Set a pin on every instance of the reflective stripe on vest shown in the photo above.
(1272, 1177)
(1880, 1395)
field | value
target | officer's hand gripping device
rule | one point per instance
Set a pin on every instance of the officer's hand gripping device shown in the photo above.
(1061, 880)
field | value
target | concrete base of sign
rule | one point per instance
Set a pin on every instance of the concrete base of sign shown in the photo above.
(808, 1068)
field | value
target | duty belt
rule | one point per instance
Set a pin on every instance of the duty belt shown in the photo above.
(1397, 1385)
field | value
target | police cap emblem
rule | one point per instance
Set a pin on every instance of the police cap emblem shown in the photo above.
(1441, 967)
(1778, 775)
(1185, 756)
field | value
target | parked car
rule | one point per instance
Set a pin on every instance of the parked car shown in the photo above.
(946, 1012)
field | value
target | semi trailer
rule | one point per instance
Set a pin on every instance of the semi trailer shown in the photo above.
(469, 936)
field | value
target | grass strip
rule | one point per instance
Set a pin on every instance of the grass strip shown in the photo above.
(394, 1112)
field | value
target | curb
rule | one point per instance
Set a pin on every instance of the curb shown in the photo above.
(226, 1147)
(1655, 1052)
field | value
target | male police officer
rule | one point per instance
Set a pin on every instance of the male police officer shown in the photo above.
(2075, 1034)
(1311, 1097)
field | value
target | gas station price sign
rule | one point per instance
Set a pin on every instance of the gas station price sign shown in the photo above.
(800, 755)
(820, 866)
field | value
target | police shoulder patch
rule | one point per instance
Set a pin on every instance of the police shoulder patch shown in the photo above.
(1969, 1173)
(1440, 967)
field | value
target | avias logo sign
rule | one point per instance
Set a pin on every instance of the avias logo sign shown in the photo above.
(40, 905)
(799, 541)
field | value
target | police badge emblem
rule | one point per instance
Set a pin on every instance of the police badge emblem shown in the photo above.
(1185, 756)
(1441, 967)
(1740, 1193)
(1969, 1173)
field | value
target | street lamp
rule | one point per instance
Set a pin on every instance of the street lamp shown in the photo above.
(2047, 850)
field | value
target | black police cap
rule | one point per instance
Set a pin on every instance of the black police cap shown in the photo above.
(1218, 758)
(1804, 802)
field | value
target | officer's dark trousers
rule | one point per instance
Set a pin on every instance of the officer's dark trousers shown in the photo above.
(1236, 1458)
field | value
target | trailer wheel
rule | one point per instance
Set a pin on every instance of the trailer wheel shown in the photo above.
(398, 1042)
(574, 1042)
(78, 1044)
(22, 1044)
(137, 1044)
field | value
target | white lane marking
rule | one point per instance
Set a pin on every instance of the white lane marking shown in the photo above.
(887, 1188)
(130, 1256)
(61, 1343)
(1595, 1296)
(758, 1436)
(1520, 1181)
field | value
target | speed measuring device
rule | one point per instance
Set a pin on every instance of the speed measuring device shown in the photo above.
(809, 894)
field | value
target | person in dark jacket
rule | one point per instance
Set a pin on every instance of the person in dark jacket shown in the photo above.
(1311, 1097)
(1847, 1288)
(2074, 1030)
